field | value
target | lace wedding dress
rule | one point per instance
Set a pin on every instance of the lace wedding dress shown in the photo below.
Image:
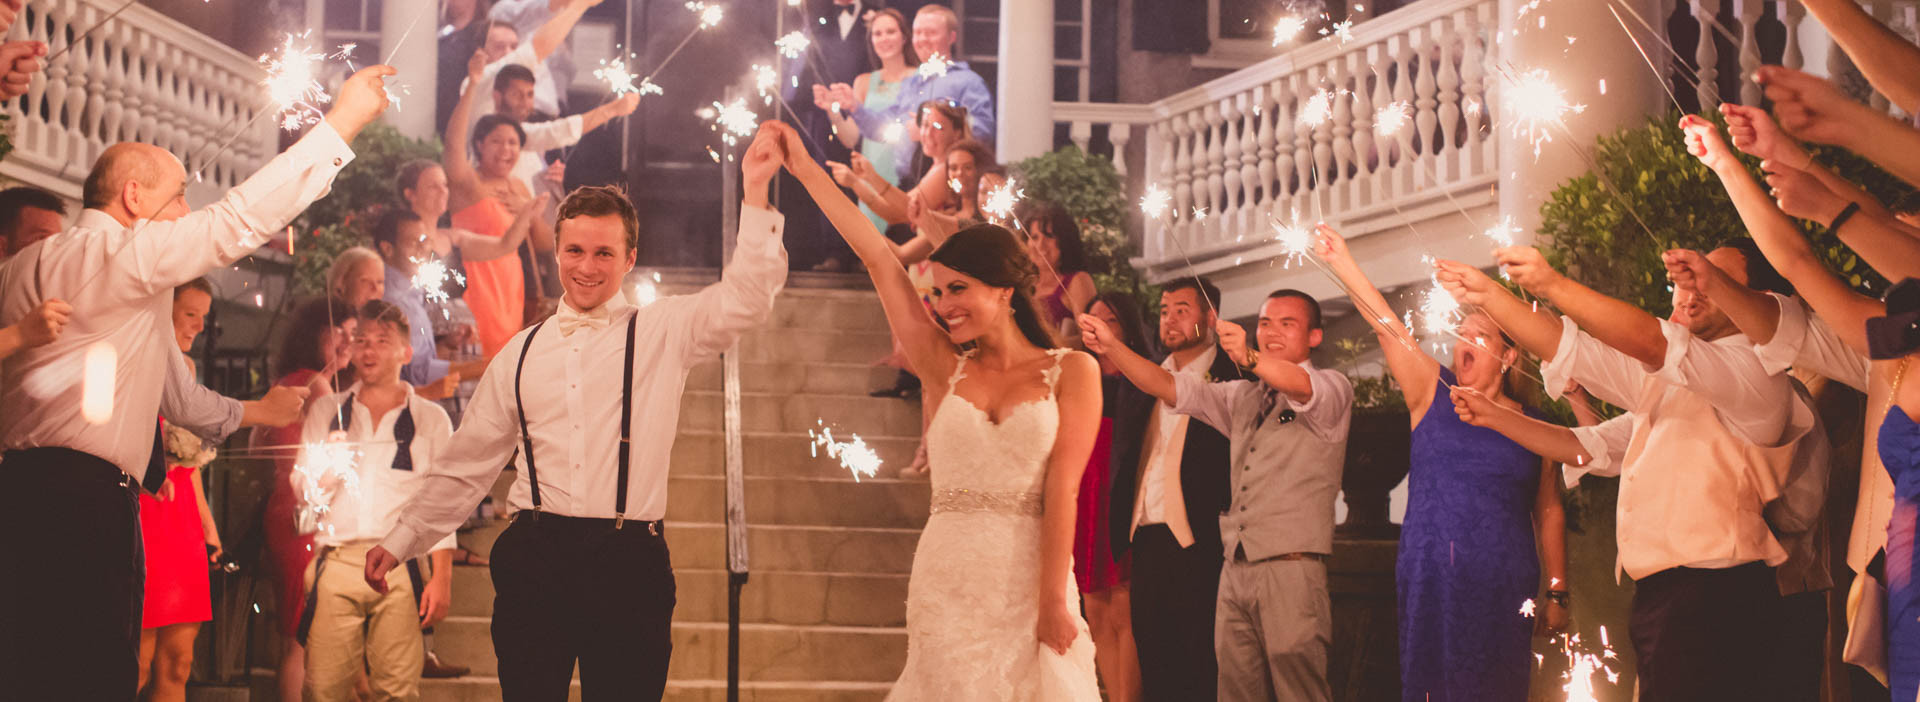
(973, 602)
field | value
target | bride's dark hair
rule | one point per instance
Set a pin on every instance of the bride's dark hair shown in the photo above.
(992, 255)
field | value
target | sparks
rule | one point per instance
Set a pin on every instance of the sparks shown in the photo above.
(430, 276)
(954, 184)
(1199, 214)
(1000, 203)
(1438, 313)
(1155, 202)
(1342, 30)
(734, 121)
(793, 44)
(1390, 119)
(647, 291)
(765, 80)
(853, 455)
(1533, 101)
(1526, 608)
(710, 14)
(1502, 232)
(1296, 239)
(935, 66)
(1287, 28)
(619, 79)
(292, 82)
(893, 133)
(1318, 109)
(327, 467)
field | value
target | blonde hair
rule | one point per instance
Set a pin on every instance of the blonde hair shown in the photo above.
(953, 19)
(343, 266)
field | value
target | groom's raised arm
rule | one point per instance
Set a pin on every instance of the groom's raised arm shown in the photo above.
(709, 321)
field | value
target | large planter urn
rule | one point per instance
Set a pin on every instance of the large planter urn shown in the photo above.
(1377, 446)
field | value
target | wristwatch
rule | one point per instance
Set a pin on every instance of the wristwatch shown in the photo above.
(1253, 358)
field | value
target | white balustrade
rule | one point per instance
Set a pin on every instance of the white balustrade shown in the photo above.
(140, 77)
(1239, 147)
(1742, 23)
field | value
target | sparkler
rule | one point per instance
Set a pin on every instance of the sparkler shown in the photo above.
(326, 468)
(646, 292)
(1318, 109)
(1526, 608)
(1533, 102)
(1389, 120)
(1438, 312)
(292, 82)
(1296, 240)
(734, 120)
(955, 185)
(76, 40)
(1001, 202)
(620, 80)
(793, 44)
(1503, 232)
(97, 381)
(430, 276)
(765, 80)
(710, 13)
(853, 455)
(1342, 30)
(935, 66)
(1287, 28)
(893, 133)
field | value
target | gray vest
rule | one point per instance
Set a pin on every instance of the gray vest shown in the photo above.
(1284, 481)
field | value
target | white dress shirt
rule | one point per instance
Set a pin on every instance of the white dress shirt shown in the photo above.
(572, 395)
(544, 97)
(1710, 443)
(1805, 341)
(1169, 430)
(187, 404)
(847, 19)
(120, 282)
(541, 138)
(369, 512)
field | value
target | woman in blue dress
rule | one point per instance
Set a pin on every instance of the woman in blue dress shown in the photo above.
(1483, 515)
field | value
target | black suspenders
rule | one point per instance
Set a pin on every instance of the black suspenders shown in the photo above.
(625, 449)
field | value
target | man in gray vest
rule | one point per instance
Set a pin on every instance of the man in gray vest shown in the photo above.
(1273, 621)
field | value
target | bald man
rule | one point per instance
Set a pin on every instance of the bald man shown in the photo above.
(69, 532)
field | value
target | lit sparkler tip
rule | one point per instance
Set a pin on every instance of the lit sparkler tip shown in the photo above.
(853, 455)
(1533, 101)
(1287, 28)
(1001, 202)
(935, 66)
(1391, 118)
(430, 276)
(734, 120)
(1503, 232)
(1155, 202)
(710, 13)
(793, 44)
(1439, 313)
(1342, 30)
(292, 82)
(1318, 109)
(1526, 608)
(893, 133)
(765, 79)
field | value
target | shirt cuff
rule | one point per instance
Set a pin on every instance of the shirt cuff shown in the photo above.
(1789, 336)
(452, 541)
(404, 542)
(1598, 461)
(1679, 341)
(760, 230)
(1186, 392)
(323, 144)
(1556, 373)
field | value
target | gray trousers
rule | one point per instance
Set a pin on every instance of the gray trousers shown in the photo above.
(1271, 631)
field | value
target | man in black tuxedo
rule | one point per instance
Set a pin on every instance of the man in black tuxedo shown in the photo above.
(838, 54)
(1170, 484)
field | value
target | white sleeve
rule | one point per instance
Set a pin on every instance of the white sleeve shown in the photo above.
(437, 429)
(1606, 448)
(1759, 407)
(1329, 412)
(553, 134)
(707, 322)
(465, 467)
(1805, 340)
(1605, 372)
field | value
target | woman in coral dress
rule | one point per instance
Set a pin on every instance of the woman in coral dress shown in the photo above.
(485, 200)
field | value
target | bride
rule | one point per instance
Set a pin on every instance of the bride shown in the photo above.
(991, 608)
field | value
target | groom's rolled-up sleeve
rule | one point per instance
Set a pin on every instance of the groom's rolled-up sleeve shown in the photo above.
(707, 322)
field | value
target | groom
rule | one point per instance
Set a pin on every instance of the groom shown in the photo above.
(582, 574)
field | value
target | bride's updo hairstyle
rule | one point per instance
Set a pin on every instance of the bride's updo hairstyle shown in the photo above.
(991, 254)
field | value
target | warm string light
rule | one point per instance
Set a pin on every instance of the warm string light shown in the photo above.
(854, 455)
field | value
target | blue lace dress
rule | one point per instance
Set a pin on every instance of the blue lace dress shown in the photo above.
(1900, 450)
(1467, 561)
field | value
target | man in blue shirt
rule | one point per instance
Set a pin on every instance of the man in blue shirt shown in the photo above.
(400, 237)
(935, 30)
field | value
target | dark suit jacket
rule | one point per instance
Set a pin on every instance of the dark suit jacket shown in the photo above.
(1205, 463)
(829, 60)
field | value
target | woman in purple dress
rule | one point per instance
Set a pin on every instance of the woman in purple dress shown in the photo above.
(1468, 562)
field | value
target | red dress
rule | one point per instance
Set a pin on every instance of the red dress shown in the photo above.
(1093, 565)
(177, 589)
(289, 550)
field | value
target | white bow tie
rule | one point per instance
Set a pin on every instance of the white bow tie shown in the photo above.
(570, 320)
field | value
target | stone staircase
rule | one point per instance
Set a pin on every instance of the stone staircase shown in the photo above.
(823, 612)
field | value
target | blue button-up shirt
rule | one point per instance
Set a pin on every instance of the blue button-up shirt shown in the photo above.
(426, 366)
(960, 85)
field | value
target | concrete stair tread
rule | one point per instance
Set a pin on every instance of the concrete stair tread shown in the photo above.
(768, 651)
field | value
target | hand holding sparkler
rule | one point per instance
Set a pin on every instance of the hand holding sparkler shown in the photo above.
(19, 60)
(44, 324)
(764, 157)
(1529, 269)
(1233, 342)
(1704, 142)
(1812, 108)
(1095, 335)
(359, 101)
(1799, 194)
(280, 407)
(1331, 248)
(1465, 283)
(1474, 407)
(1693, 273)
(1755, 133)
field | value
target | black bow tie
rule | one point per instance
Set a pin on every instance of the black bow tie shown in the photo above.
(849, 8)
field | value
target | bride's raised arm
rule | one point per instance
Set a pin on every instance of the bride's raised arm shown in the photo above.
(927, 346)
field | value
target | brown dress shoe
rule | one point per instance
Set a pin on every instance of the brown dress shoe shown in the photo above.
(434, 668)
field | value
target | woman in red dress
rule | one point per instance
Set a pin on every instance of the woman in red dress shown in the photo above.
(314, 355)
(178, 532)
(1104, 580)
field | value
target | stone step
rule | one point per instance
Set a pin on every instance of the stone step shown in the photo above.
(809, 500)
(486, 688)
(769, 597)
(782, 454)
(827, 344)
(767, 651)
(848, 374)
(797, 414)
(807, 549)
(828, 309)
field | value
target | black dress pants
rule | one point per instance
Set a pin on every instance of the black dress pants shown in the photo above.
(572, 590)
(1174, 591)
(74, 570)
(1719, 634)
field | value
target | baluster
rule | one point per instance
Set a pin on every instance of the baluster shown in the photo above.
(47, 91)
(1425, 118)
(1473, 88)
(1322, 150)
(1285, 163)
(69, 121)
(1407, 175)
(1791, 14)
(1264, 101)
(1119, 133)
(1162, 149)
(1355, 65)
(1706, 56)
(103, 106)
(1080, 132)
(1747, 13)
(1303, 168)
(1380, 62)
(1449, 80)
(1229, 166)
(179, 104)
(1184, 186)
(1215, 154)
(1248, 104)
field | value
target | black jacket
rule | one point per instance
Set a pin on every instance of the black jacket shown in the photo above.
(1204, 464)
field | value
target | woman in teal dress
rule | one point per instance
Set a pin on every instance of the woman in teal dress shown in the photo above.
(887, 45)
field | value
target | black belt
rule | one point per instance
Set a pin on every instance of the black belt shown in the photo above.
(656, 527)
(73, 464)
(1240, 556)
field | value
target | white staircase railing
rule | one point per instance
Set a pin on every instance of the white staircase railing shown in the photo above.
(140, 77)
(1752, 23)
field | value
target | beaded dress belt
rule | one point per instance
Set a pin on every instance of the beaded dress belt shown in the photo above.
(1027, 504)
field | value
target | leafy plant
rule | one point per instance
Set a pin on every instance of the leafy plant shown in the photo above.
(1370, 391)
(337, 221)
(1089, 187)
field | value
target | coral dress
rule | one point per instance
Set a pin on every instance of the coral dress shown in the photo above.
(177, 589)
(496, 289)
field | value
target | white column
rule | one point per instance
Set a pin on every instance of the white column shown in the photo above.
(1025, 102)
(418, 58)
(1602, 52)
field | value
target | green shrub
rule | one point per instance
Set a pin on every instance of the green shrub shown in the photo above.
(1089, 187)
(337, 221)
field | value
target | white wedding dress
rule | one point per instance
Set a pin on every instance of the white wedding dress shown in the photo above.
(973, 602)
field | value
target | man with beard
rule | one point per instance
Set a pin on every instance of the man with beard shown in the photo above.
(1170, 484)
